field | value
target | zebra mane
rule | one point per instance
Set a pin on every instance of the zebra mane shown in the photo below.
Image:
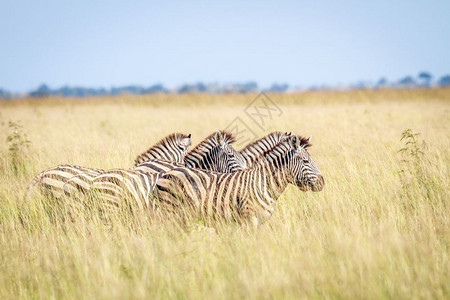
(277, 134)
(177, 137)
(174, 137)
(227, 136)
(304, 142)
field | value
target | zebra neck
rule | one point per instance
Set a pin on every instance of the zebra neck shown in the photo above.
(277, 166)
(202, 158)
(278, 179)
(268, 183)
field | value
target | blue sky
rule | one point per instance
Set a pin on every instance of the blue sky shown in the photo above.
(115, 43)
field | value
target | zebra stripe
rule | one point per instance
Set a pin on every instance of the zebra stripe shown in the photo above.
(151, 167)
(215, 153)
(118, 184)
(171, 148)
(246, 194)
(53, 180)
(131, 188)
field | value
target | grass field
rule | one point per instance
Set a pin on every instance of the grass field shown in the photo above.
(379, 229)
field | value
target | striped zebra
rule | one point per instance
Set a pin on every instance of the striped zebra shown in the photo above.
(58, 180)
(244, 195)
(214, 152)
(252, 152)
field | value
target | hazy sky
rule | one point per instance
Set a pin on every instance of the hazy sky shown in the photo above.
(107, 43)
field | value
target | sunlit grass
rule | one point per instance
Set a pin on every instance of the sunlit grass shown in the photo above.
(379, 229)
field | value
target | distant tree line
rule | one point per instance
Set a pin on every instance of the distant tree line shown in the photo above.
(66, 91)
(422, 80)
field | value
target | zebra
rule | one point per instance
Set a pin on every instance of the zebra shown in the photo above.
(56, 181)
(253, 151)
(247, 195)
(214, 153)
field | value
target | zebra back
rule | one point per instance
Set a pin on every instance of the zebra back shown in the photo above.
(215, 153)
(66, 179)
(118, 187)
(173, 147)
(115, 186)
(52, 180)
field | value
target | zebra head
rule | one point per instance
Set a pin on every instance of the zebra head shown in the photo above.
(215, 153)
(182, 144)
(228, 160)
(304, 171)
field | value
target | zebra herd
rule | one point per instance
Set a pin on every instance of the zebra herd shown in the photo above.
(212, 180)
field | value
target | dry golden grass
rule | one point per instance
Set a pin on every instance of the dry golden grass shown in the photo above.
(371, 233)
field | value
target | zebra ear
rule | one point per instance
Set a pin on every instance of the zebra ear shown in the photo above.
(187, 141)
(294, 141)
(309, 139)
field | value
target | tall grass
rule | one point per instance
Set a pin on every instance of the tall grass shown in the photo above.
(379, 229)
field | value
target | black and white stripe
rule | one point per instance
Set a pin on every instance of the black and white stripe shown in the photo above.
(115, 185)
(246, 194)
(213, 153)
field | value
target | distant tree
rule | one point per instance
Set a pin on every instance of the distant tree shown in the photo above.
(131, 89)
(156, 88)
(199, 87)
(425, 77)
(407, 81)
(278, 88)
(250, 86)
(4, 94)
(42, 91)
(382, 82)
(246, 87)
(444, 80)
(64, 91)
(361, 85)
(186, 88)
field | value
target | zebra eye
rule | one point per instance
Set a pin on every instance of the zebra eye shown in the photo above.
(181, 148)
(305, 160)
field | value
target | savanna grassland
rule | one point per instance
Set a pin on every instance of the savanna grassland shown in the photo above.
(379, 229)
